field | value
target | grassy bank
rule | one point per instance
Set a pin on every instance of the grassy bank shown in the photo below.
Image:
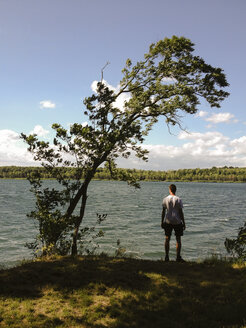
(106, 292)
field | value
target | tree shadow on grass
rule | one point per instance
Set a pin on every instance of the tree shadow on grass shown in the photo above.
(146, 293)
(27, 281)
(186, 295)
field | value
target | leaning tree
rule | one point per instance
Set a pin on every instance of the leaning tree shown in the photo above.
(170, 80)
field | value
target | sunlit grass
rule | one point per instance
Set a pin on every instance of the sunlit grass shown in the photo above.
(104, 292)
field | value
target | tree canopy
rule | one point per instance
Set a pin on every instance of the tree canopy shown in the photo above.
(168, 81)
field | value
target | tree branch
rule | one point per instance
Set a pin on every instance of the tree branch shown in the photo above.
(103, 70)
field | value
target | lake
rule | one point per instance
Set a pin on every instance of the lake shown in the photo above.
(213, 211)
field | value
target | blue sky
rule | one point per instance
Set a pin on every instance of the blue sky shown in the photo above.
(52, 51)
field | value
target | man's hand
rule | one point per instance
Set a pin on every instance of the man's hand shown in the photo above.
(184, 226)
(162, 225)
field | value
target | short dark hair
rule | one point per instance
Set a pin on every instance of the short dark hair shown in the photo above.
(173, 188)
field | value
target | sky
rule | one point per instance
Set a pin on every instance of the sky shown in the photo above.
(53, 50)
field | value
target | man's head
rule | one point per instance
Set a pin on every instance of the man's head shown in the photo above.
(172, 189)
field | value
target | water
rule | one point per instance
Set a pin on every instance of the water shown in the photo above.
(212, 213)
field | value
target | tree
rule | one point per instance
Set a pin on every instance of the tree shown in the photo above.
(168, 81)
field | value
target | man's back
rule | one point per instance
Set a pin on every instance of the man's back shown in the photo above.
(173, 204)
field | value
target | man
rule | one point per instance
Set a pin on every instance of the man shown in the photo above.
(173, 219)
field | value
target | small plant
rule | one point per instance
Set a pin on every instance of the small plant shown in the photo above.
(120, 251)
(237, 247)
(88, 237)
(53, 226)
(216, 258)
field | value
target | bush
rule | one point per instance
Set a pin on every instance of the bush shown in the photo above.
(237, 247)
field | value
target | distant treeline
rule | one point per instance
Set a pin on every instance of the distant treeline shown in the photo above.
(214, 174)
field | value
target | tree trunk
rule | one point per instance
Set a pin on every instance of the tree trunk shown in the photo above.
(82, 193)
(89, 176)
(76, 230)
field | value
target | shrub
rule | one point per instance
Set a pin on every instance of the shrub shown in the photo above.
(237, 247)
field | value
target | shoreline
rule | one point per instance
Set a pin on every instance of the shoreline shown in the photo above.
(146, 180)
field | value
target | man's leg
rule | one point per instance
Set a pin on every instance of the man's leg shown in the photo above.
(178, 249)
(167, 246)
(178, 246)
(178, 233)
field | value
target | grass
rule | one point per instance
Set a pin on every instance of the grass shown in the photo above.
(101, 292)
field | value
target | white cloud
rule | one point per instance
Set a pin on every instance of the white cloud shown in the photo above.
(8, 136)
(239, 146)
(94, 86)
(221, 118)
(198, 150)
(119, 103)
(169, 80)
(202, 113)
(85, 123)
(207, 139)
(217, 118)
(39, 131)
(201, 150)
(47, 104)
(13, 150)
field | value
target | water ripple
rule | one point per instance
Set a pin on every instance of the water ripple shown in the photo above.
(212, 211)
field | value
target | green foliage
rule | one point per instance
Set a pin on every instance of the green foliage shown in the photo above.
(88, 237)
(215, 174)
(120, 251)
(169, 80)
(53, 227)
(237, 247)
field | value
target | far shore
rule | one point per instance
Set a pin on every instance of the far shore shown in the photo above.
(213, 175)
(146, 180)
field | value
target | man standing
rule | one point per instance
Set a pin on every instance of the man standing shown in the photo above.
(172, 218)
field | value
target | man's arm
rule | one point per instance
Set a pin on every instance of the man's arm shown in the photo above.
(163, 217)
(181, 213)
